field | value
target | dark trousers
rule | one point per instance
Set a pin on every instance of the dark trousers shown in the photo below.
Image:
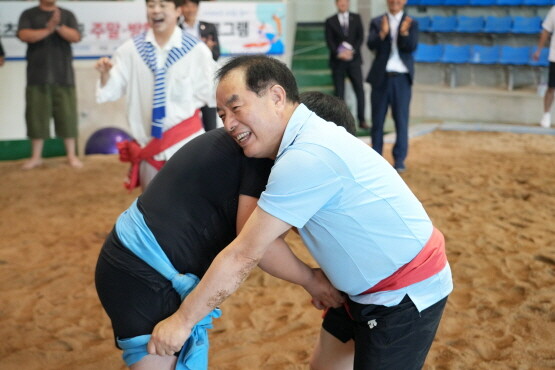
(354, 73)
(396, 93)
(209, 118)
(386, 338)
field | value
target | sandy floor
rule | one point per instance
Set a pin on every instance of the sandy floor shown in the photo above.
(492, 194)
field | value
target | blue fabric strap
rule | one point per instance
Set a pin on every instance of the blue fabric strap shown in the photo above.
(147, 52)
(137, 237)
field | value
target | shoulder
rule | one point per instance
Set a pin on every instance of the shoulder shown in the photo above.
(30, 11)
(331, 19)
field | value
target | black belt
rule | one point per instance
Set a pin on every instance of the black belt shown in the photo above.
(395, 74)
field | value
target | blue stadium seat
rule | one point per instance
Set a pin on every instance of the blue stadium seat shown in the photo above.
(515, 55)
(457, 2)
(526, 24)
(427, 53)
(443, 24)
(510, 2)
(431, 2)
(413, 2)
(543, 61)
(483, 2)
(423, 23)
(498, 24)
(538, 2)
(455, 54)
(485, 54)
(469, 24)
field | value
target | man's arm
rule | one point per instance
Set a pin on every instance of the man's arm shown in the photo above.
(543, 38)
(226, 273)
(279, 261)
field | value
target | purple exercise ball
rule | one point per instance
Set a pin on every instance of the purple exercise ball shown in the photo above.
(104, 140)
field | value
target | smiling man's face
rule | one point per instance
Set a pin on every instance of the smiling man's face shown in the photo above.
(162, 15)
(251, 119)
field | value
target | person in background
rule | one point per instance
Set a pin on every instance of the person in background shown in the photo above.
(208, 33)
(2, 54)
(49, 32)
(548, 26)
(344, 36)
(167, 76)
(362, 224)
(393, 38)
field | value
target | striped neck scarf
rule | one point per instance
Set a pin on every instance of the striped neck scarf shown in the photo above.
(148, 54)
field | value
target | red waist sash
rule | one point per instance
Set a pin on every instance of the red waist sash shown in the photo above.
(131, 151)
(428, 262)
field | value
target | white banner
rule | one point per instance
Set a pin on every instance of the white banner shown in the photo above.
(247, 27)
(243, 27)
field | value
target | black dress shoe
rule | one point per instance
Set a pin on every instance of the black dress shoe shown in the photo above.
(363, 125)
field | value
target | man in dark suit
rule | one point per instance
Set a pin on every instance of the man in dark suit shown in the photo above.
(344, 36)
(208, 33)
(393, 38)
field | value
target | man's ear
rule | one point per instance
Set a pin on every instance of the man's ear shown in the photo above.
(278, 95)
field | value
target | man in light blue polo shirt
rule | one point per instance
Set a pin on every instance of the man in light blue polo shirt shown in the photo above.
(360, 221)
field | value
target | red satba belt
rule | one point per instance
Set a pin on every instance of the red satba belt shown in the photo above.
(131, 151)
(429, 261)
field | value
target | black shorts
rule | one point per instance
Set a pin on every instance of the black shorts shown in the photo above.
(551, 79)
(134, 295)
(397, 337)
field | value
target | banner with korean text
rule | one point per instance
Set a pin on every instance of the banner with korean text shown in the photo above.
(243, 27)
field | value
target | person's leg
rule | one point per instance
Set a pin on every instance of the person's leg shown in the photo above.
(398, 337)
(134, 296)
(355, 76)
(548, 97)
(72, 159)
(36, 154)
(338, 77)
(335, 348)
(209, 118)
(332, 354)
(64, 111)
(38, 110)
(400, 103)
(379, 102)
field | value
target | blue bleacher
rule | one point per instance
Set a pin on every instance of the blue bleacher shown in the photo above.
(543, 60)
(515, 55)
(457, 2)
(469, 24)
(483, 2)
(423, 23)
(455, 54)
(430, 2)
(510, 2)
(485, 54)
(538, 2)
(498, 24)
(413, 2)
(443, 24)
(427, 53)
(526, 24)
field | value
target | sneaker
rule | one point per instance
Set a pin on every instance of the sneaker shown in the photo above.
(546, 120)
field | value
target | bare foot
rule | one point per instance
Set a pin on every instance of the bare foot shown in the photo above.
(75, 162)
(31, 163)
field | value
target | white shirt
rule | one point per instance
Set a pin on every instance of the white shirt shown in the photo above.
(549, 25)
(189, 86)
(343, 19)
(395, 64)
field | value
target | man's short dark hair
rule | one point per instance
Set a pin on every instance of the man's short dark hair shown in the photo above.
(330, 108)
(261, 72)
(191, 1)
(177, 3)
